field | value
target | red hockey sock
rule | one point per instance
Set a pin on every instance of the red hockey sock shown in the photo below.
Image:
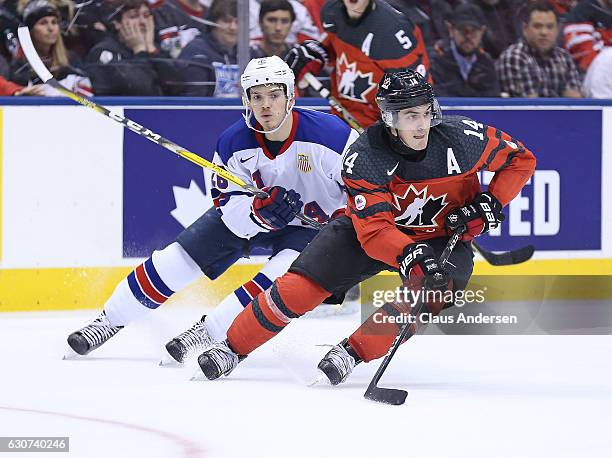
(289, 297)
(373, 338)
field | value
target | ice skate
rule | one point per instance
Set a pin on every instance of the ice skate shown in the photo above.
(338, 363)
(93, 335)
(218, 360)
(194, 340)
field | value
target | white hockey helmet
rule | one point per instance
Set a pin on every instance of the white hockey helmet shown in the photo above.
(267, 70)
(262, 71)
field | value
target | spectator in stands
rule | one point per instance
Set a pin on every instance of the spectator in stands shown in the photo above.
(42, 19)
(536, 66)
(91, 24)
(501, 29)
(178, 22)
(8, 88)
(65, 9)
(210, 61)
(9, 44)
(588, 30)
(125, 63)
(275, 20)
(562, 7)
(463, 69)
(303, 27)
(598, 78)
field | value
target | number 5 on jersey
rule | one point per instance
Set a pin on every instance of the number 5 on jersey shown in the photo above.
(349, 162)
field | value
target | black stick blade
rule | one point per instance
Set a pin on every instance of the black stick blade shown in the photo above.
(507, 258)
(522, 254)
(386, 395)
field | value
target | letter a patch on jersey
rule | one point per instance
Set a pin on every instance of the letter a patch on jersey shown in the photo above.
(451, 162)
(303, 163)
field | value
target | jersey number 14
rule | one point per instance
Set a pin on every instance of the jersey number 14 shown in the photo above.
(476, 126)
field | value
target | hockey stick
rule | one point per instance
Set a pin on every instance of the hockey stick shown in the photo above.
(496, 259)
(505, 258)
(47, 78)
(323, 92)
(394, 396)
(194, 18)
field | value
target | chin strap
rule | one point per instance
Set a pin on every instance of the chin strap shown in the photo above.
(247, 117)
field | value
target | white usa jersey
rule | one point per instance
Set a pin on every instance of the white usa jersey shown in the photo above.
(309, 162)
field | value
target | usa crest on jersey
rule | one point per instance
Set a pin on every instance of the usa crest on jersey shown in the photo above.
(303, 163)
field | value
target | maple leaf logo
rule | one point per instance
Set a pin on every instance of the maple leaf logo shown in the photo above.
(352, 84)
(419, 209)
(191, 202)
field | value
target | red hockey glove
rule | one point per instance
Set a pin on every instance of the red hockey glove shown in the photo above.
(481, 215)
(309, 56)
(418, 266)
(277, 210)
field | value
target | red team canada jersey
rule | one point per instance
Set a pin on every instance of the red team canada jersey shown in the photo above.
(383, 39)
(394, 201)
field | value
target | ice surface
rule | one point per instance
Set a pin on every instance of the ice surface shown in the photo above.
(469, 396)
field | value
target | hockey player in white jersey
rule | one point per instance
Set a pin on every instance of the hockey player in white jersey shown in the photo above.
(295, 155)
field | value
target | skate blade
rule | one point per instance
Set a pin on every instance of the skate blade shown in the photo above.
(198, 376)
(168, 361)
(320, 380)
(70, 354)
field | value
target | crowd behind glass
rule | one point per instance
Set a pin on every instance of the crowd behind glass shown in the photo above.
(476, 48)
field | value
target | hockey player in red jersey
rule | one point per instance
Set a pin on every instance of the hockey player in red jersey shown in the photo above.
(411, 181)
(364, 38)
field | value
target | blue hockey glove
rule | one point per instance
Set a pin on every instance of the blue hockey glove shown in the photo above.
(277, 210)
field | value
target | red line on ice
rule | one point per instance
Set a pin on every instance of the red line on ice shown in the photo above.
(190, 449)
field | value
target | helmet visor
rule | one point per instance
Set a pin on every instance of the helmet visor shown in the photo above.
(413, 118)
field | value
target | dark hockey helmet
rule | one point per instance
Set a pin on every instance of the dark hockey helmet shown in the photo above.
(403, 89)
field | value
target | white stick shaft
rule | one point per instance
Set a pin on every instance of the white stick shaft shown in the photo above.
(33, 58)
